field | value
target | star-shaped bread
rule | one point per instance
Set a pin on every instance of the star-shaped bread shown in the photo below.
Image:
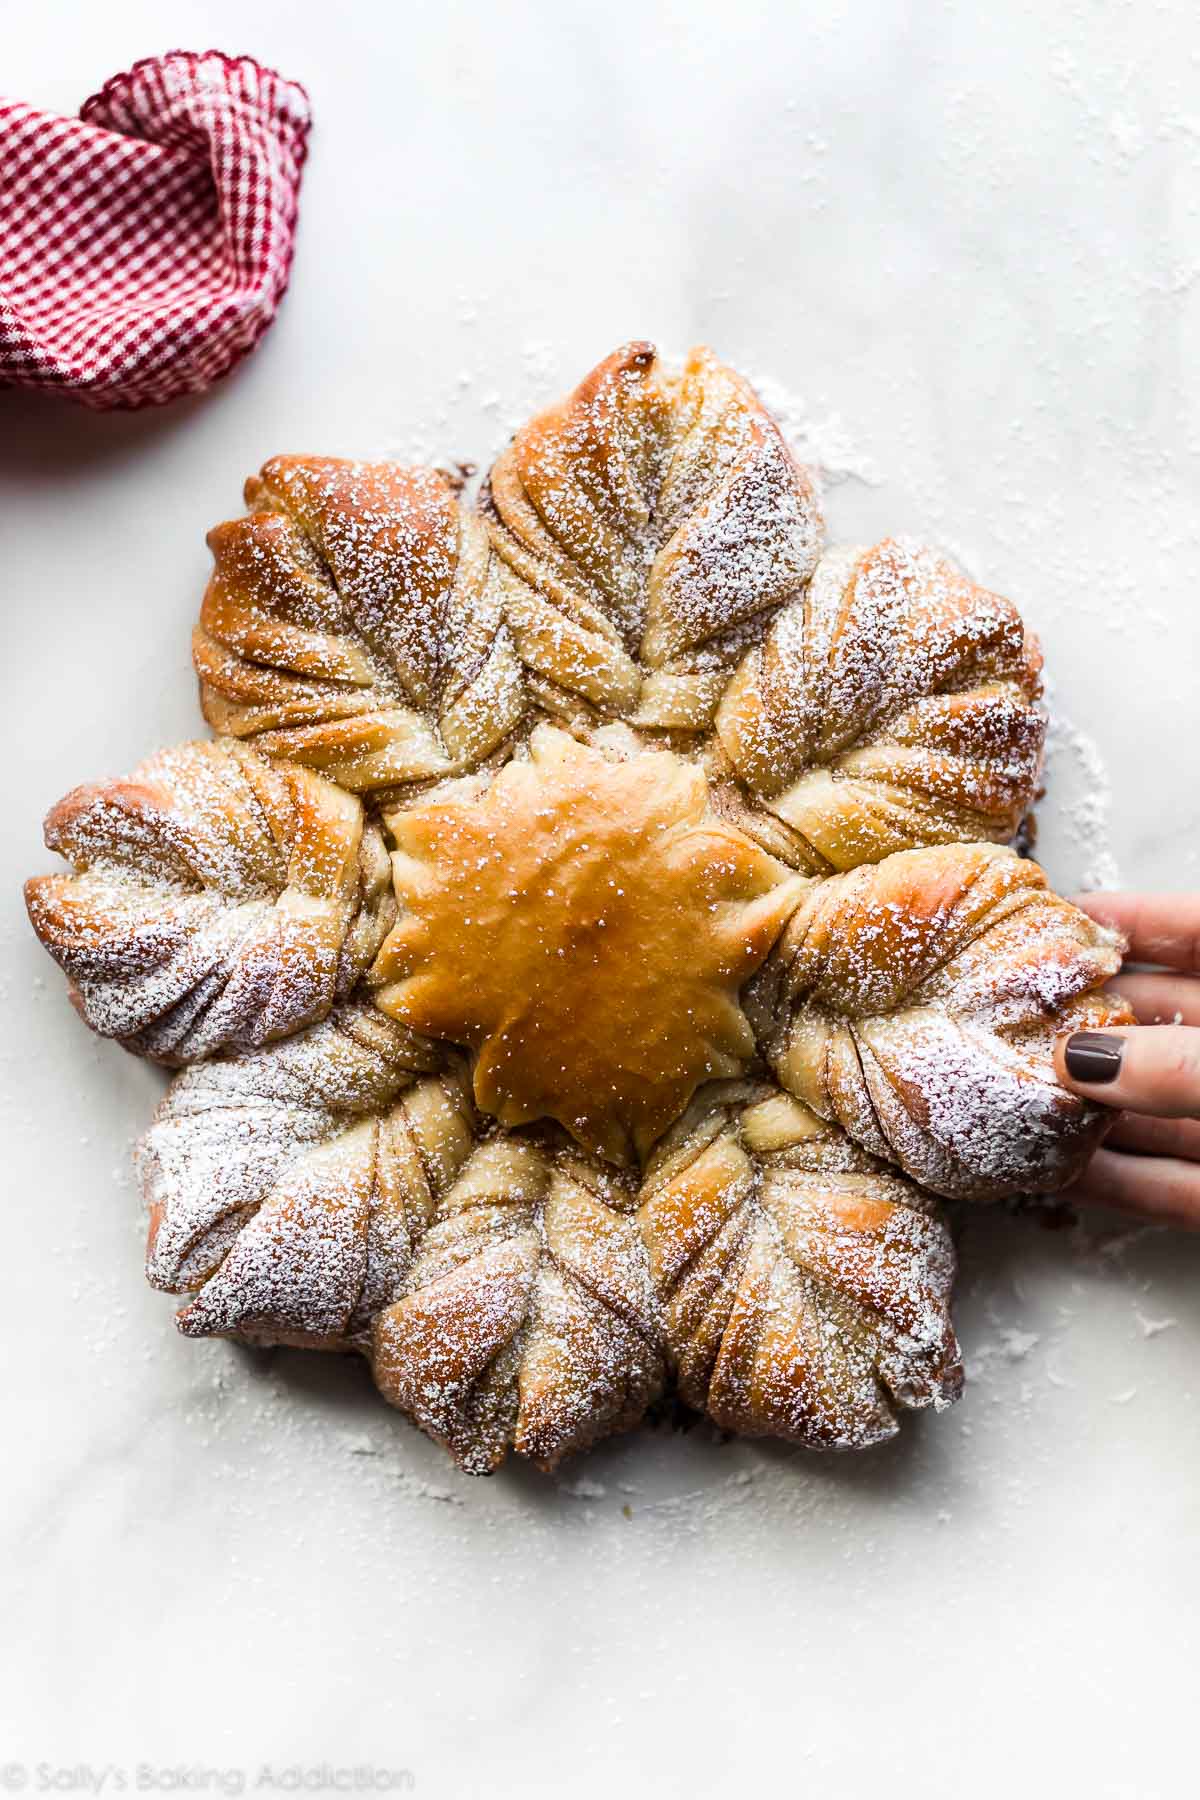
(589, 948)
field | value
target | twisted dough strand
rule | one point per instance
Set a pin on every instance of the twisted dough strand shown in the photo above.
(218, 898)
(527, 1320)
(287, 1185)
(649, 524)
(805, 1288)
(354, 623)
(916, 1002)
(894, 705)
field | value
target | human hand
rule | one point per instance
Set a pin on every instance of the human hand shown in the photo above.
(1150, 1164)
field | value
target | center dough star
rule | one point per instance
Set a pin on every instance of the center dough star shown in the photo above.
(584, 924)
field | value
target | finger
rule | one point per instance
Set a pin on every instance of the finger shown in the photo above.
(1161, 928)
(1156, 1188)
(1148, 1068)
(1161, 999)
(1156, 1137)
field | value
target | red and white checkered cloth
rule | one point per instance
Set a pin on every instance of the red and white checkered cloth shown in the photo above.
(145, 246)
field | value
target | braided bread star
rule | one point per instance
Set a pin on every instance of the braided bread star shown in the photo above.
(589, 947)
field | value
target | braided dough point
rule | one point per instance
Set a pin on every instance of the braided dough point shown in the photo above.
(895, 705)
(218, 898)
(916, 1002)
(805, 1288)
(650, 524)
(229, 1129)
(354, 623)
(528, 1321)
(331, 1243)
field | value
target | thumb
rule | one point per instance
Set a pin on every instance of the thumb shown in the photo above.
(1147, 1068)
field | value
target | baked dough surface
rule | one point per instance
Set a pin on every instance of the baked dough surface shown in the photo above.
(585, 924)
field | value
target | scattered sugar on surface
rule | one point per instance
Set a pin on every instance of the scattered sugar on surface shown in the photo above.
(825, 441)
(1152, 1327)
(531, 381)
(1078, 840)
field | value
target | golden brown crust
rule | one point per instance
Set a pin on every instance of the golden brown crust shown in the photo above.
(916, 1003)
(584, 924)
(217, 898)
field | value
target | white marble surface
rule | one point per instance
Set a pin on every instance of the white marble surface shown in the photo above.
(966, 239)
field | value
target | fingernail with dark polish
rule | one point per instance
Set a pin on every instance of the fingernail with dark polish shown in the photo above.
(1093, 1056)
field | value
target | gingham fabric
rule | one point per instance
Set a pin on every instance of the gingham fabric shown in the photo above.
(144, 246)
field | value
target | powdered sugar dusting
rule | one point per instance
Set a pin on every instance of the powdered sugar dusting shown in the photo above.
(1078, 786)
(823, 441)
